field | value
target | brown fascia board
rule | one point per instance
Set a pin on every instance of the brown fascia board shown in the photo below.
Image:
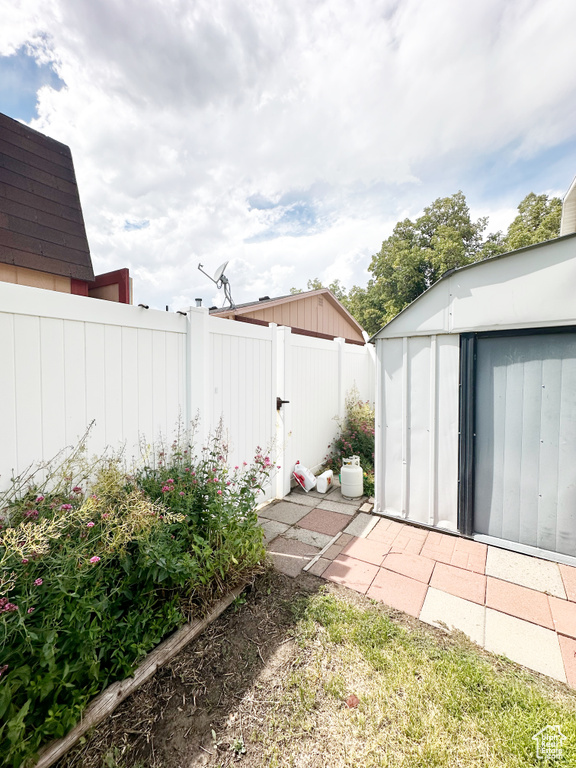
(324, 292)
(41, 221)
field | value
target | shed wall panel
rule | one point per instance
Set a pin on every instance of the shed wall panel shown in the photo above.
(418, 436)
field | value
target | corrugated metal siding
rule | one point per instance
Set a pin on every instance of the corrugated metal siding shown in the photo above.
(417, 431)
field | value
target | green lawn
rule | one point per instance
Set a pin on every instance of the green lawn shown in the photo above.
(423, 700)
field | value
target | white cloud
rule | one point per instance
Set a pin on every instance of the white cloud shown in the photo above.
(344, 114)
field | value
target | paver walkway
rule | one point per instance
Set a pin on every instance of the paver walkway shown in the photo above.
(512, 604)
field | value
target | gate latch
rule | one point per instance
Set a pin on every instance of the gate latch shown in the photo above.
(280, 402)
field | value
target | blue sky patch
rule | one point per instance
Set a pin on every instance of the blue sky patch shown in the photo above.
(129, 226)
(20, 79)
(294, 219)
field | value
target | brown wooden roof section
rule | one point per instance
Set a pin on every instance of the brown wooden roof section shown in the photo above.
(314, 312)
(41, 222)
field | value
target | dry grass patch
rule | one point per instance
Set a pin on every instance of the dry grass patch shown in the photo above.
(268, 684)
(422, 702)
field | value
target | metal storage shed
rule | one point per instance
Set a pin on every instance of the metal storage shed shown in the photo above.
(476, 403)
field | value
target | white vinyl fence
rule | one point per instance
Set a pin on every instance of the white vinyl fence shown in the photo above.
(68, 360)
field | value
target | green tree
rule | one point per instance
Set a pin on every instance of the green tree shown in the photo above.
(316, 284)
(419, 252)
(538, 220)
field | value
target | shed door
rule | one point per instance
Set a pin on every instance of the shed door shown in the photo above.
(525, 447)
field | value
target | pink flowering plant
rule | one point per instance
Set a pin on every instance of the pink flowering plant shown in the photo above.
(93, 575)
(356, 438)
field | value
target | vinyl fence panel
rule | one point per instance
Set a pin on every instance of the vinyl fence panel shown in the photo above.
(68, 361)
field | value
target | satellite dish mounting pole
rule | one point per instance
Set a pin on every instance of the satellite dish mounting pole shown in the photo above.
(221, 281)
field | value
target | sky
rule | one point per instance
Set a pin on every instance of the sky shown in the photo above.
(288, 138)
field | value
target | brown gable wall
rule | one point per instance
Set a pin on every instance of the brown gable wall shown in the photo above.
(41, 223)
(313, 313)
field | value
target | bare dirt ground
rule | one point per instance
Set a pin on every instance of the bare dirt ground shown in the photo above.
(216, 703)
(203, 708)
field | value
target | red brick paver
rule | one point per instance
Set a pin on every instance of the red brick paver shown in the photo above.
(410, 539)
(368, 551)
(439, 547)
(324, 521)
(518, 601)
(398, 591)
(459, 582)
(415, 566)
(564, 615)
(352, 573)
(568, 651)
(385, 531)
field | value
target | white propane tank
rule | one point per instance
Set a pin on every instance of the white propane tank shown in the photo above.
(351, 478)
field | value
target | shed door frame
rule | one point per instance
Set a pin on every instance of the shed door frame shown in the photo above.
(467, 431)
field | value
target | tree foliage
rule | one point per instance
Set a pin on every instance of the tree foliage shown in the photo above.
(444, 237)
(419, 252)
(538, 220)
(316, 284)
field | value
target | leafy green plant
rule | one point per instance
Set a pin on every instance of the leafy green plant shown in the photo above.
(93, 576)
(356, 438)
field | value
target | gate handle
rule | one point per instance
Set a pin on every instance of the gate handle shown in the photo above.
(279, 403)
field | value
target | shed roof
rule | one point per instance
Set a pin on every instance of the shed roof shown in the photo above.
(267, 302)
(531, 287)
(41, 222)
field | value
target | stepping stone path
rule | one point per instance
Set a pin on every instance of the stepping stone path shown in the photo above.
(512, 604)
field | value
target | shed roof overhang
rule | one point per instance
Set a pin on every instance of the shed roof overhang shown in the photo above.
(528, 288)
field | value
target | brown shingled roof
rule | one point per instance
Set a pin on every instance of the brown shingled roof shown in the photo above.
(41, 223)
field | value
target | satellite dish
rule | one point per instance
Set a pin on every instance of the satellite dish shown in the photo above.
(219, 272)
(221, 282)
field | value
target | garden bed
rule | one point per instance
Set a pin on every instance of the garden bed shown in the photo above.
(98, 565)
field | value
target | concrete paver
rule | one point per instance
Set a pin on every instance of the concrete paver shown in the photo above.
(352, 573)
(302, 498)
(361, 525)
(525, 570)
(337, 506)
(458, 582)
(398, 591)
(313, 538)
(272, 528)
(512, 604)
(519, 601)
(320, 566)
(324, 521)
(568, 574)
(527, 644)
(444, 610)
(336, 495)
(284, 512)
(290, 556)
(333, 551)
